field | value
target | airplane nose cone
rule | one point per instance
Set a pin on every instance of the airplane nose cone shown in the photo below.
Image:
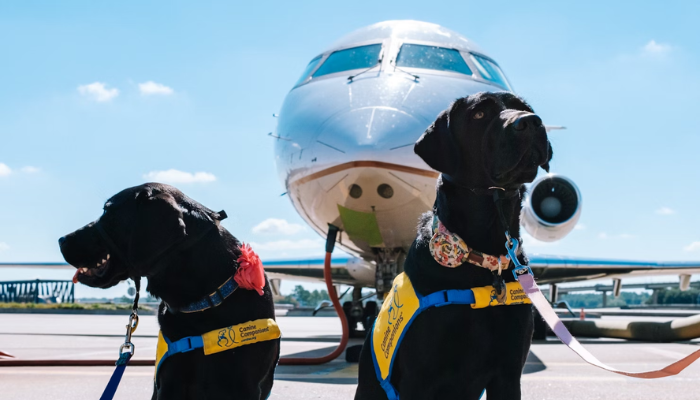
(373, 128)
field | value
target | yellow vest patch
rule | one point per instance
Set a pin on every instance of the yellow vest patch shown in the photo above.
(397, 310)
(240, 335)
(218, 340)
(486, 296)
(402, 304)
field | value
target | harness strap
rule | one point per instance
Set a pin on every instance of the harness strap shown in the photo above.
(184, 345)
(447, 297)
(212, 300)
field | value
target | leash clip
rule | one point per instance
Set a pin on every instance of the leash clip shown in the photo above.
(512, 245)
(130, 328)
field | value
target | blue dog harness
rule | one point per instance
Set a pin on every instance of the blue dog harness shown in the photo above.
(403, 304)
(212, 300)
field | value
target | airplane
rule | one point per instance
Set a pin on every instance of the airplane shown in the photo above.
(344, 153)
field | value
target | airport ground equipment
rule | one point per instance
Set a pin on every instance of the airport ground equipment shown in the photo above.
(668, 331)
(37, 291)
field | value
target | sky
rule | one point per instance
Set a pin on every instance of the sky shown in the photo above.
(99, 96)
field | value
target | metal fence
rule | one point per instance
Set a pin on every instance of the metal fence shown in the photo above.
(37, 291)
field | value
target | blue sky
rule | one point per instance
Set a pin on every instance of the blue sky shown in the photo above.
(96, 97)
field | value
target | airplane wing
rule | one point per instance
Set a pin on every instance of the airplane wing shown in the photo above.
(547, 269)
(309, 270)
(555, 269)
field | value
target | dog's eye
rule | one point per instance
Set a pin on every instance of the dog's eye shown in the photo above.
(479, 115)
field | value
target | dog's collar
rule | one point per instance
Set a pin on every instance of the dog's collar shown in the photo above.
(449, 250)
(210, 301)
(482, 191)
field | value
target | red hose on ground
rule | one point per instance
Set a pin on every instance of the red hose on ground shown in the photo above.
(283, 361)
(344, 322)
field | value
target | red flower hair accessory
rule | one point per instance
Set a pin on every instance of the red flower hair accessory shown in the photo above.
(250, 274)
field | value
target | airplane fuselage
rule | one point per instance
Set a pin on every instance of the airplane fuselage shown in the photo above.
(344, 146)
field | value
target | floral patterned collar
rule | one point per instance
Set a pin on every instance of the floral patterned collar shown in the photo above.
(449, 250)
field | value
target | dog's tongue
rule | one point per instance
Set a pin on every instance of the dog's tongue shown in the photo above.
(75, 277)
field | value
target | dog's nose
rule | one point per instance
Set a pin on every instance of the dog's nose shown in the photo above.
(527, 121)
(61, 240)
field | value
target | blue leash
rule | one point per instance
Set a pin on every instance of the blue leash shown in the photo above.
(126, 350)
(113, 384)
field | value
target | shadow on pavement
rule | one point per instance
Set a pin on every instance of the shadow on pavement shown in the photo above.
(335, 372)
(533, 364)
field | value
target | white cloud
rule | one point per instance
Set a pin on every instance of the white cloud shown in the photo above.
(665, 211)
(4, 170)
(653, 48)
(30, 170)
(605, 236)
(98, 91)
(580, 227)
(695, 246)
(175, 176)
(4, 246)
(283, 245)
(151, 88)
(275, 226)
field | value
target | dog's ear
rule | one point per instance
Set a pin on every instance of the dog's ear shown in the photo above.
(437, 147)
(545, 166)
(159, 226)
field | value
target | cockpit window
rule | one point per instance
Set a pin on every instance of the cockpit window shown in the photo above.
(348, 59)
(490, 71)
(312, 64)
(431, 57)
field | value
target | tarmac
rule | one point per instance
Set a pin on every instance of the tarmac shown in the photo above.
(552, 370)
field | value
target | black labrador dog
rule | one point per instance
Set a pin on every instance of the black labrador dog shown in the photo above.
(154, 230)
(480, 143)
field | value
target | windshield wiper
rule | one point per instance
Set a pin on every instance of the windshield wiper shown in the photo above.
(351, 77)
(415, 77)
(379, 62)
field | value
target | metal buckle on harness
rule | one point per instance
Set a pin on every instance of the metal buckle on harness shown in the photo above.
(512, 245)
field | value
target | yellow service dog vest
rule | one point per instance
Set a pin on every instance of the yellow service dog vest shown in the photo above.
(403, 304)
(218, 340)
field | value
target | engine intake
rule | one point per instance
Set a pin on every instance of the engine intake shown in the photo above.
(552, 208)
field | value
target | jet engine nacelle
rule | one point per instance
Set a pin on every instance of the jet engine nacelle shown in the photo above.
(552, 208)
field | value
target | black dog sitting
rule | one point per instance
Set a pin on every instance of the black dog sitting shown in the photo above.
(154, 230)
(483, 143)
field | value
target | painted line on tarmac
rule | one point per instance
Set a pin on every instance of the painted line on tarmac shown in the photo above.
(675, 355)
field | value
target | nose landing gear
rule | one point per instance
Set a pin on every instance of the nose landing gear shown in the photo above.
(360, 312)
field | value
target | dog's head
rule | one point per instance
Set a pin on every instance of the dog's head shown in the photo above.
(139, 225)
(485, 140)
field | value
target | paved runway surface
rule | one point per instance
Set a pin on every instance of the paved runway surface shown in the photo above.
(552, 371)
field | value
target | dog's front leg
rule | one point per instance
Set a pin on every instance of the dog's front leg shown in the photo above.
(368, 387)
